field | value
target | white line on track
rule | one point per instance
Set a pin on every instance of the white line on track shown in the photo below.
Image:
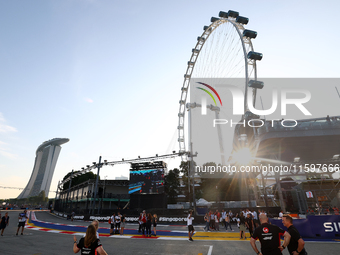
(210, 250)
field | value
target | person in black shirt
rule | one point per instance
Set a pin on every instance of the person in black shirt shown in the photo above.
(89, 244)
(4, 222)
(269, 236)
(296, 244)
(242, 221)
(249, 223)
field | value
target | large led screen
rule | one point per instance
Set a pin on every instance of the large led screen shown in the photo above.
(150, 181)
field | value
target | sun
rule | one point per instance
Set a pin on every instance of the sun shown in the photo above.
(243, 156)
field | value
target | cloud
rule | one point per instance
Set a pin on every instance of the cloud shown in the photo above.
(7, 129)
(4, 152)
(7, 154)
(4, 128)
(89, 100)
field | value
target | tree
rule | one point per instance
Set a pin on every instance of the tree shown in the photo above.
(184, 170)
(172, 185)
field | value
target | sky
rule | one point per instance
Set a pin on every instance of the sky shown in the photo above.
(108, 74)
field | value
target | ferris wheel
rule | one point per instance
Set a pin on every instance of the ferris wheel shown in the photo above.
(224, 50)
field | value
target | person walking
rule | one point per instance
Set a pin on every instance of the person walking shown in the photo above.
(250, 223)
(228, 222)
(90, 244)
(242, 224)
(4, 221)
(296, 244)
(191, 229)
(269, 236)
(22, 220)
(223, 215)
(207, 222)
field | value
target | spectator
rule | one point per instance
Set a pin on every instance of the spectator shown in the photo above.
(228, 222)
(212, 220)
(191, 229)
(4, 221)
(281, 214)
(95, 223)
(250, 223)
(89, 244)
(22, 220)
(148, 225)
(117, 221)
(269, 236)
(140, 222)
(217, 222)
(154, 223)
(223, 215)
(296, 244)
(112, 223)
(256, 220)
(122, 227)
(242, 226)
(144, 219)
(207, 220)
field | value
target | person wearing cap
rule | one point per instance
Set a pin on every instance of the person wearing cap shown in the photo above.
(269, 236)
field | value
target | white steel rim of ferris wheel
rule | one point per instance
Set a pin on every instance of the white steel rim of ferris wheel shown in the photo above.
(248, 57)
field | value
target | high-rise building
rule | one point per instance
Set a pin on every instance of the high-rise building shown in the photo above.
(45, 162)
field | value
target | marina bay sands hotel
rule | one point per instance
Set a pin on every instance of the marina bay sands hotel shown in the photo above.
(45, 161)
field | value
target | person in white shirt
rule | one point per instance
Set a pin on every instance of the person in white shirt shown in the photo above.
(224, 214)
(112, 224)
(117, 221)
(191, 229)
(281, 214)
(22, 220)
(95, 223)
